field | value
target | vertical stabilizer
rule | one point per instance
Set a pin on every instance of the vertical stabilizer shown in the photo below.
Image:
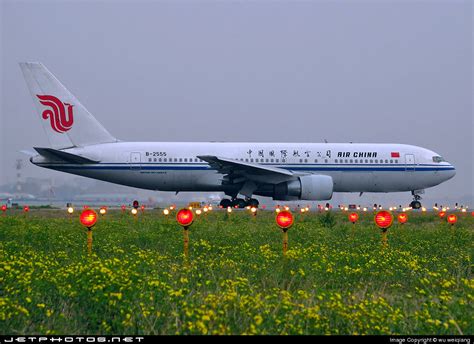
(66, 121)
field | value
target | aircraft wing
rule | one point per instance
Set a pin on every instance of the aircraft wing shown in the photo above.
(249, 174)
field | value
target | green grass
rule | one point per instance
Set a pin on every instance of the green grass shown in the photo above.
(335, 280)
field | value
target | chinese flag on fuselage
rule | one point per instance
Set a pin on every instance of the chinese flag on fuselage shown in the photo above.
(395, 155)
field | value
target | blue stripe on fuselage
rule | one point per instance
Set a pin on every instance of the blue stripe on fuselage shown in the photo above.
(305, 167)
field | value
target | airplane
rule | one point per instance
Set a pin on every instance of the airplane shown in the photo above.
(80, 145)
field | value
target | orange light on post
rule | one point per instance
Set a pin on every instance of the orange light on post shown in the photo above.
(26, 209)
(185, 217)
(284, 220)
(353, 217)
(452, 219)
(4, 208)
(442, 214)
(142, 208)
(383, 219)
(103, 211)
(123, 207)
(88, 219)
(402, 218)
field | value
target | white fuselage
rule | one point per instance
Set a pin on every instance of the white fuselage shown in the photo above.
(174, 166)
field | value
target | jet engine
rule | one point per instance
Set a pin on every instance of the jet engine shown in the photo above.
(310, 187)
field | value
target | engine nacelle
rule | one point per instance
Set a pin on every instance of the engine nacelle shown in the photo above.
(309, 188)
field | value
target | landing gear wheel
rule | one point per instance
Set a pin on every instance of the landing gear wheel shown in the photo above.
(225, 203)
(239, 203)
(253, 202)
(416, 204)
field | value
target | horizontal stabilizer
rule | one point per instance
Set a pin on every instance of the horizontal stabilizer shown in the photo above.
(57, 154)
(28, 152)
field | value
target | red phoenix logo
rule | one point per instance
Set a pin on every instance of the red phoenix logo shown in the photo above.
(60, 121)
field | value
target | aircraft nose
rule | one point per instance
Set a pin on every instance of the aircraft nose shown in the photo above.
(450, 173)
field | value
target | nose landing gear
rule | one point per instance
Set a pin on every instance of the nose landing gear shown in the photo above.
(415, 204)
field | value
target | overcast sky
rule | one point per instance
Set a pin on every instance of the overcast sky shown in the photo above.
(361, 71)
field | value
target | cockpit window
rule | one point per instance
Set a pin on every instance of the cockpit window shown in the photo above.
(438, 159)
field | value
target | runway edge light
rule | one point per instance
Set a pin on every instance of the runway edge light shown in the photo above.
(353, 217)
(402, 218)
(185, 218)
(284, 220)
(88, 218)
(452, 219)
(383, 219)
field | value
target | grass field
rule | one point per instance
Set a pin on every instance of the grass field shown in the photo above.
(335, 280)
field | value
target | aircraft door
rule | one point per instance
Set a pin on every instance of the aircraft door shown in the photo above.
(135, 161)
(409, 162)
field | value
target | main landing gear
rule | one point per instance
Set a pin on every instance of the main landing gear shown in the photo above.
(239, 202)
(415, 204)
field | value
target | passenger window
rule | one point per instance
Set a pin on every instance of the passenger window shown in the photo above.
(185, 160)
(251, 160)
(350, 161)
(345, 161)
(180, 159)
(271, 160)
(356, 161)
(366, 161)
(316, 160)
(325, 160)
(335, 161)
(301, 160)
(277, 160)
(149, 159)
(391, 161)
(371, 161)
(154, 159)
